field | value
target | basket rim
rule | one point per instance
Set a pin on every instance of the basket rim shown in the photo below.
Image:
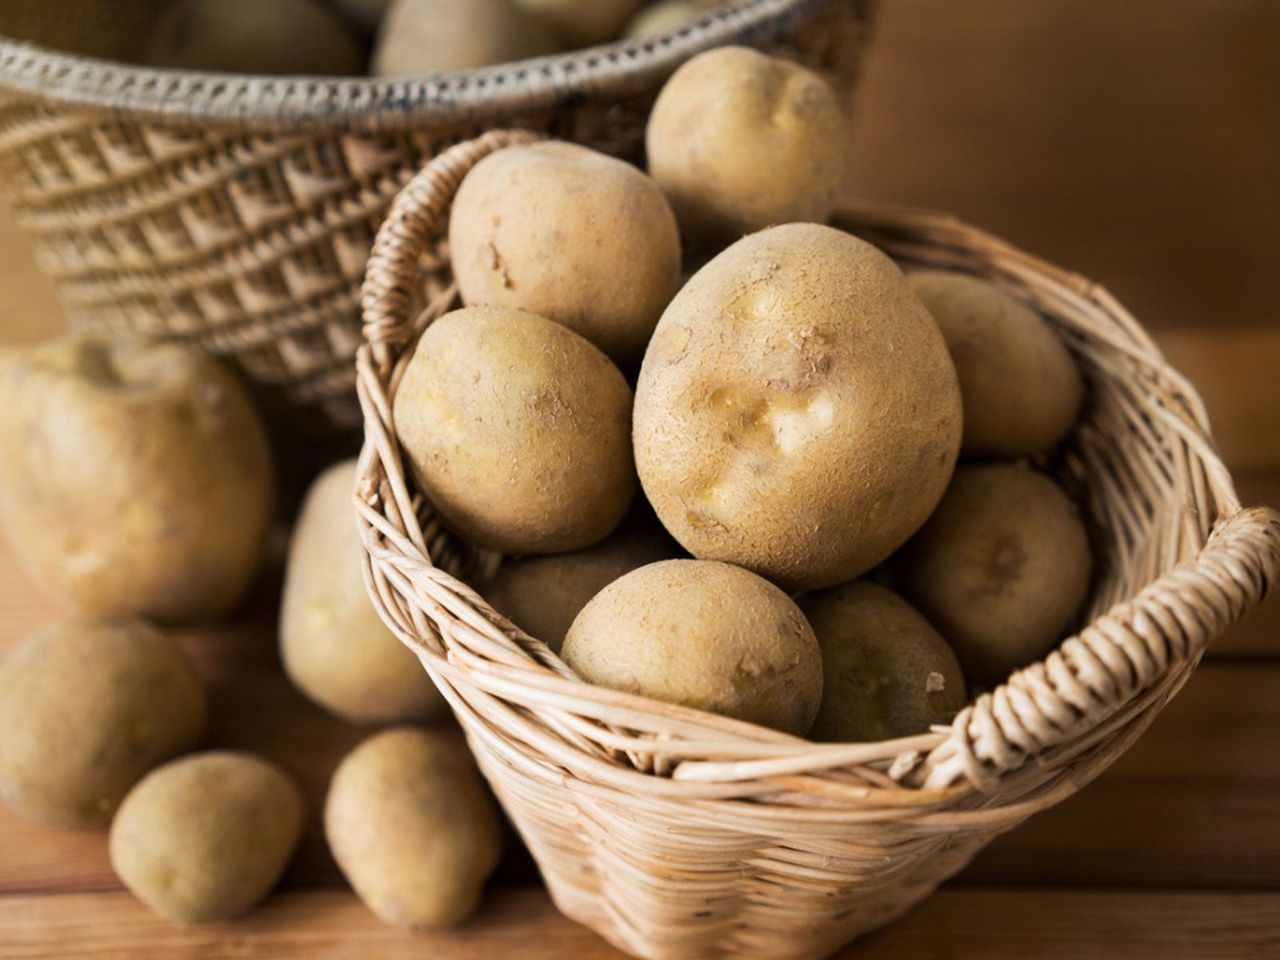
(373, 104)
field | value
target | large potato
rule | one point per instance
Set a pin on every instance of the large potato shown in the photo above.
(135, 477)
(85, 710)
(334, 647)
(702, 634)
(1021, 391)
(206, 837)
(886, 672)
(797, 412)
(518, 430)
(412, 827)
(1001, 569)
(418, 37)
(585, 22)
(739, 140)
(569, 234)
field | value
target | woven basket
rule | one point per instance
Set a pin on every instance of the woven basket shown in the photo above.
(237, 212)
(677, 834)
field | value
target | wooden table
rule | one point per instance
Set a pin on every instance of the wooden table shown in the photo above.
(1138, 143)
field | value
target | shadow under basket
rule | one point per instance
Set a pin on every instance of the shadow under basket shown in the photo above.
(236, 213)
(678, 834)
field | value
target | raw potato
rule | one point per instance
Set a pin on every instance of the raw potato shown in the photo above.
(412, 827)
(254, 36)
(585, 22)
(705, 635)
(797, 412)
(135, 478)
(205, 838)
(571, 235)
(1001, 569)
(542, 595)
(334, 647)
(668, 16)
(88, 708)
(1021, 390)
(886, 671)
(419, 37)
(739, 140)
(518, 430)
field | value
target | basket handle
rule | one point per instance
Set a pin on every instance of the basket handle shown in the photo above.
(1098, 672)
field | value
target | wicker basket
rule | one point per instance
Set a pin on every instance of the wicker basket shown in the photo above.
(677, 834)
(237, 212)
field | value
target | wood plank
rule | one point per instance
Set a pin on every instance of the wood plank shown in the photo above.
(974, 924)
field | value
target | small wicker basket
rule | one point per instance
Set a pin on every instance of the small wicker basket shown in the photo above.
(677, 834)
(236, 213)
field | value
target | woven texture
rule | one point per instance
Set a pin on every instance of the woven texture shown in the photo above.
(237, 213)
(678, 834)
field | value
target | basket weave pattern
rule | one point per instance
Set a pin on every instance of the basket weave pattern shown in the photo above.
(677, 834)
(237, 213)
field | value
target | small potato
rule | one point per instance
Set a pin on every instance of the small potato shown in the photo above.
(571, 235)
(418, 37)
(205, 838)
(585, 22)
(1021, 391)
(739, 141)
(886, 672)
(85, 710)
(413, 828)
(705, 635)
(135, 478)
(518, 430)
(334, 647)
(542, 595)
(797, 413)
(668, 16)
(254, 36)
(1001, 568)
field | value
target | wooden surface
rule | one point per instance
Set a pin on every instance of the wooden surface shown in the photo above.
(1138, 143)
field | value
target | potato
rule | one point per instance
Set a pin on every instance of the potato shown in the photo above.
(572, 235)
(585, 22)
(518, 430)
(797, 413)
(739, 140)
(702, 634)
(88, 708)
(205, 838)
(418, 37)
(886, 672)
(135, 478)
(1001, 569)
(412, 827)
(334, 647)
(668, 16)
(542, 595)
(254, 36)
(1021, 391)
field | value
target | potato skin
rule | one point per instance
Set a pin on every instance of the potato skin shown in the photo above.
(206, 837)
(418, 37)
(668, 16)
(518, 430)
(135, 478)
(254, 36)
(1021, 390)
(584, 22)
(705, 635)
(797, 413)
(333, 645)
(88, 708)
(886, 671)
(571, 235)
(413, 828)
(739, 141)
(1001, 568)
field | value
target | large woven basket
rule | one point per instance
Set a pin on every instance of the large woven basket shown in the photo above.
(677, 834)
(236, 213)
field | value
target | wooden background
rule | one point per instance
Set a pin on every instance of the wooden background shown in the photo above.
(1138, 143)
